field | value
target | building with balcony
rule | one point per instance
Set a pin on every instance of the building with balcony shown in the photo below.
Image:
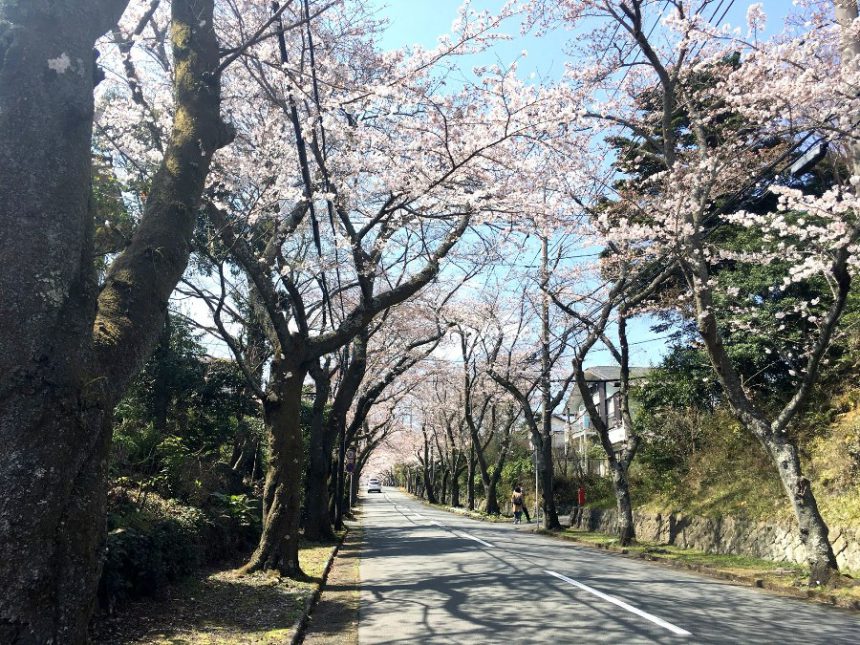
(605, 387)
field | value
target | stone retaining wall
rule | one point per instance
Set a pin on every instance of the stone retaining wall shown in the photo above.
(778, 542)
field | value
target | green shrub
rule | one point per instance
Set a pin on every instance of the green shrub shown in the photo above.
(152, 541)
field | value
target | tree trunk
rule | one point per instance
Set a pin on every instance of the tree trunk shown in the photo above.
(318, 525)
(278, 549)
(546, 480)
(813, 529)
(626, 529)
(783, 453)
(341, 495)
(55, 439)
(455, 489)
(470, 482)
(492, 504)
(428, 486)
(353, 487)
(444, 497)
(67, 350)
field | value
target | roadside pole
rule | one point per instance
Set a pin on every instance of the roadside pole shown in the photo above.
(537, 490)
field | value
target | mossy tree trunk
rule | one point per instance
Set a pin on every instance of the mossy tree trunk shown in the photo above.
(68, 349)
(318, 525)
(278, 548)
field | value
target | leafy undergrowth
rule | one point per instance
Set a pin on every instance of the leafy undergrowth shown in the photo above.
(778, 576)
(835, 464)
(219, 606)
(153, 542)
(729, 474)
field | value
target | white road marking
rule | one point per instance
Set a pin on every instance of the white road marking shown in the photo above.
(620, 603)
(462, 534)
(477, 539)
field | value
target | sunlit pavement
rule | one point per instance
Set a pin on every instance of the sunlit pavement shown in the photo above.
(428, 576)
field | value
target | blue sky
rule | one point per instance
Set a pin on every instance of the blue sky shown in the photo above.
(423, 21)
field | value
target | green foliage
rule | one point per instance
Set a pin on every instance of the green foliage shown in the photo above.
(177, 502)
(518, 471)
(185, 420)
(113, 224)
(598, 491)
(243, 509)
(152, 541)
(726, 472)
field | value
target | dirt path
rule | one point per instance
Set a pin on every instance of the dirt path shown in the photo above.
(334, 621)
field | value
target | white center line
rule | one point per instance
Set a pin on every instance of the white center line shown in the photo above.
(620, 603)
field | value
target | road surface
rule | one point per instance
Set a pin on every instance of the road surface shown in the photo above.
(428, 576)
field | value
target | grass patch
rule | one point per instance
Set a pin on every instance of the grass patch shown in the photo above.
(220, 607)
(730, 474)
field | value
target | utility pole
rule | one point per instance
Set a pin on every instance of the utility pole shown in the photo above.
(537, 488)
(546, 366)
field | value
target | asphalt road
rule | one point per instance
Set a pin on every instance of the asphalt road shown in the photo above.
(428, 576)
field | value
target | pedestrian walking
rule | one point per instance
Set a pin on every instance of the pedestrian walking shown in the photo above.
(518, 503)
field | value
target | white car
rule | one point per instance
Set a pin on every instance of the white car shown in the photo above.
(373, 486)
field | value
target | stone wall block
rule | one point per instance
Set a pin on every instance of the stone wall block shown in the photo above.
(727, 535)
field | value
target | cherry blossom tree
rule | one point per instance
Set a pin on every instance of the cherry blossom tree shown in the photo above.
(593, 312)
(523, 358)
(488, 414)
(799, 86)
(69, 344)
(391, 173)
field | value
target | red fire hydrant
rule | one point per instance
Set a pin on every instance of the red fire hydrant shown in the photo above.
(580, 496)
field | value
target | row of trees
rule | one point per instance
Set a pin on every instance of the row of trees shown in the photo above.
(723, 200)
(319, 181)
(345, 207)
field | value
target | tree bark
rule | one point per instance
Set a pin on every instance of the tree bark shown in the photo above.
(470, 483)
(455, 488)
(546, 481)
(67, 350)
(626, 530)
(492, 504)
(814, 534)
(278, 549)
(428, 486)
(318, 526)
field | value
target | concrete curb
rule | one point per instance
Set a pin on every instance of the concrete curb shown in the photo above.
(313, 599)
(750, 581)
